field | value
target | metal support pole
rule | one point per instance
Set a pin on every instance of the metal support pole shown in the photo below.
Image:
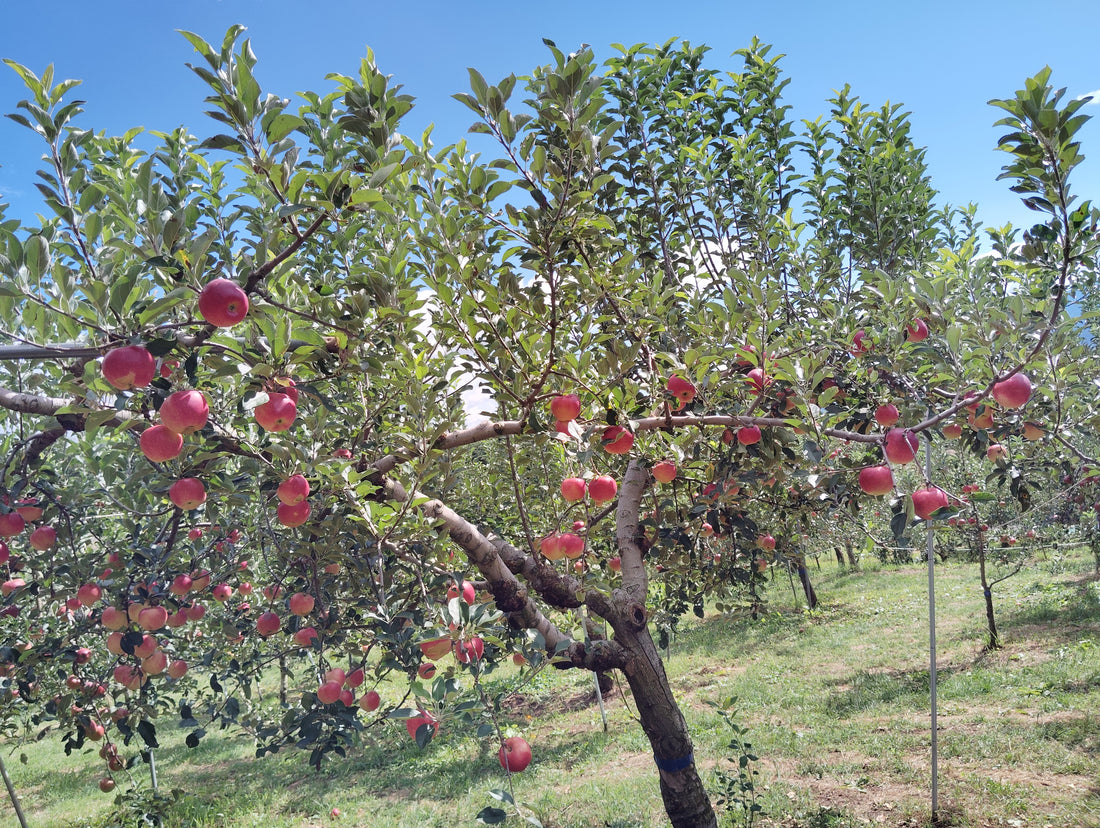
(932, 637)
(11, 793)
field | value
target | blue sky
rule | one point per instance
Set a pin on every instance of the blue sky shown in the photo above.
(942, 60)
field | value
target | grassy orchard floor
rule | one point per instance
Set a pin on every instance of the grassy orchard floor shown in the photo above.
(836, 703)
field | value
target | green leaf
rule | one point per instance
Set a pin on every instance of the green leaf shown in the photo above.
(491, 816)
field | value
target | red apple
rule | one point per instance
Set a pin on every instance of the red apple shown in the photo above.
(43, 538)
(565, 407)
(155, 663)
(152, 618)
(426, 670)
(187, 493)
(355, 678)
(603, 489)
(222, 303)
(572, 489)
(129, 367)
(291, 516)
(766, 542)
(757, 380)
(222, 592)
(177, 669)
(469, 650)
(929, 500)
(747, 435)
(887, 415)
(301, 603)
(515, 754)
(185, 412)
(952, 431)
(551, 546)
(293, 490)
(917, 332)
(615, 564)
(106, 784)
(147, 647)
(11, 524)
(996, 452)
(11, 585)
(181, 584)
(29, 509)
(425, 719)
(195, 612)
(336, 674)
(112, 617)
(664, 472)
(159, 443)
(468, 592)
(328, 692)
(876, 480)
(617, 440)
(860, 343)
(1013, 392)
(436, 648)
(268, 624)
(305, 636)
(572, 545)
(901, 445)
(277, 414)
(681, 389)
(370, 700)
(88, 594)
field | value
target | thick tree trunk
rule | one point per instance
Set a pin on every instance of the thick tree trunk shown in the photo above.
(685, 798)
(839, 556)
(852, 562)
(807, 587)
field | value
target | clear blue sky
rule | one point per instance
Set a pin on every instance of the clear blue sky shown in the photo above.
(942, 60)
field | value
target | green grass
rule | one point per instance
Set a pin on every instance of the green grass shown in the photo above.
(835, 702)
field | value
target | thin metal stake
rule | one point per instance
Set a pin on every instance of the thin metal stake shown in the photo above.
(11, 793)
(932, 638)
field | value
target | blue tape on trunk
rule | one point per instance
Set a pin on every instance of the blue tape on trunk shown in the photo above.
(673, 765)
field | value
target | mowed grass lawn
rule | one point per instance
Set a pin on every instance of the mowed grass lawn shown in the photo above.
(836, 704)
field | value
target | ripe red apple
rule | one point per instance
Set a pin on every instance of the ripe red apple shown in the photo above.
(223, 303)
(766, 542)
(887, 415)
(43, 538)
(876, 480)
(187, 493)
(29, 509)
(277, 414)
(469, 650)
(155, 663)
(222, 592)
(860, 343)
(565, 407)
(748, 435)
(185, 412)
(426, 670)
(268, 624)
(152, 618)
(129, 676)
(917, 332)
(306, 636)
(177, 669)
(355, 678)
(436, 648)
(129, 367)
(5, 553)
(1033, 431)
(572, 489)
(551, 546)
(664, 472)
(603, 489)
(106, 784)
(112, 617)
(11, 524)
(617, 440)
(291, 516)
(1013, 392)
(370, 700)
(681, 389)
(181, 584)
(88, 594)
(572, 545)
(757, 380)
(336, 674)
(901, 445)
(928, 500)
(996, 452)
(468, 592)
(615, 564)
(195, 612)
(515, 754)
(328, 692)
(425, 719)
(707, 530)
(293, 490)
(301, 603)
(952, 431)
(159, 443)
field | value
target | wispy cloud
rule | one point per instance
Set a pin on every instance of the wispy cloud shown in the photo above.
(1094, 94)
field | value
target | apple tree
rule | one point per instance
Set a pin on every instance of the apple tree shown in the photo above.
(281, 391)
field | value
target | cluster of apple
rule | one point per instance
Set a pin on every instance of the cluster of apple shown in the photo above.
(14, 523)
